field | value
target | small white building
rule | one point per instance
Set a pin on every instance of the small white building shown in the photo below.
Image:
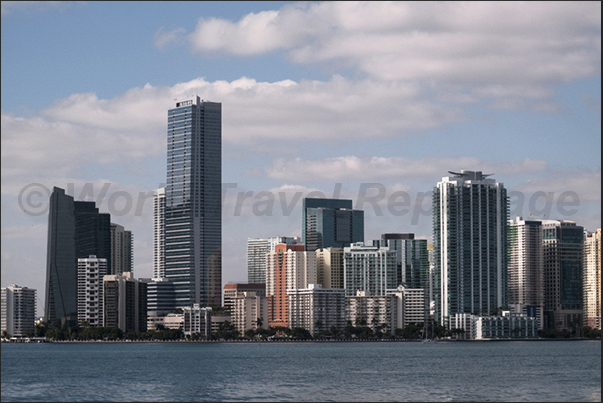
(90, 273)
(509, 325)
(18, 310)
(374, 311)
(197, 320)
(412, 306)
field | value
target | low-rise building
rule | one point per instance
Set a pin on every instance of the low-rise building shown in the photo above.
(197, 320)
(18, 310)
(249, 311)
(316, 309)
(379, 312)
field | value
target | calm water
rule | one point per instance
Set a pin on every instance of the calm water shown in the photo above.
(469, 371)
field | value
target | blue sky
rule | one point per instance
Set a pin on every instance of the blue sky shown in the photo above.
(315, 97)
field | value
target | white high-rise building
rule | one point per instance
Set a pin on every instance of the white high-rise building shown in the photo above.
(526, 268)
(18, 309)
(159, 234)
(90, 273)
(316, 309)
(470, 213)
(369, 268)
(257, 248)
(411, 306)
(592, 280)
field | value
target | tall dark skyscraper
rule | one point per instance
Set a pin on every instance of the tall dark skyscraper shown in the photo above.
(193, 211)
(75, 230)
(331, 222)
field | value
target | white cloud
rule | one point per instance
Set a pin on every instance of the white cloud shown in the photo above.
(586, 184)
(163, 38)
(380, 168)
(477, 43)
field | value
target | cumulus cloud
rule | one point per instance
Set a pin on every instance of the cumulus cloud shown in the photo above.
(585, 183)
(163, 38)
(453, 42)
(384, 168)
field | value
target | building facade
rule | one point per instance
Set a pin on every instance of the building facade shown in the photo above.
(289, 267)
(316, 308)
(160, 296)
(249, 311)
(125, 302)
(370, 269)
(563, 259)
(411, 258)
(330, 222)
(257, 248)
(412, 306)
(18, 310)
(159, 233)
(91, 271)
(592, 280)
(376, 312)
(193, 211)
(197, 320)
(232, 290)
(470, 213)
(122, 253)
(329, 267)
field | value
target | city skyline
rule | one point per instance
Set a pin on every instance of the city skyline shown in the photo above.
(314, 98)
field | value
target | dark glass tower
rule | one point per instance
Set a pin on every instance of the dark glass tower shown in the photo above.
(331, 222)
(75, 230)
(193, 211)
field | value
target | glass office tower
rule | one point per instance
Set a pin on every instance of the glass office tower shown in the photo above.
(193, 212)
(331, 222)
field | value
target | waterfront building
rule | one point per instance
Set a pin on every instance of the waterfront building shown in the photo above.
(249, 311)
(507, 326)
(257, 248)
(316, 309)
(330, 222)
(218, 320)
(288, 267)
(592, 280)
(121, 249)
(76, 229)
(526, 268)
(563, 259)
(412, 259)
(18, 310)
(369, 268)
(379, 312)
(196, 320)
(159, 234)
(171, 321)
(329, 267)
(91, 271)
(231, 291)
(125, 302)
(160, 296)
(193, 211)
(412, 305)
(470, 213)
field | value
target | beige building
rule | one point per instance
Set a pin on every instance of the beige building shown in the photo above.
(316, 308)
(412, 305)
(329, 267)
(171, 321)
(592, 280)
(248, 307)
(373, 311)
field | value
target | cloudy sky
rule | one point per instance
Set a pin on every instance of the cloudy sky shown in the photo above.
(373, 102)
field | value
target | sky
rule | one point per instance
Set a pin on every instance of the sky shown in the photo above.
(369, 101)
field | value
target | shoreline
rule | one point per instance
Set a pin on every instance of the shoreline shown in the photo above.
(293, 341)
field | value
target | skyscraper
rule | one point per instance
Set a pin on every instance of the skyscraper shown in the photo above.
(370, 269)
(563, 258)
(159, 234)
(121, 249)
(592, 280)
(526, 268)
(331, 222)
(76, 229)
(90, 273)
(193, 211)
(411, 257)
(470, 214)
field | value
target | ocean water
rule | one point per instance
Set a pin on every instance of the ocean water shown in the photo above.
(303, 371)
